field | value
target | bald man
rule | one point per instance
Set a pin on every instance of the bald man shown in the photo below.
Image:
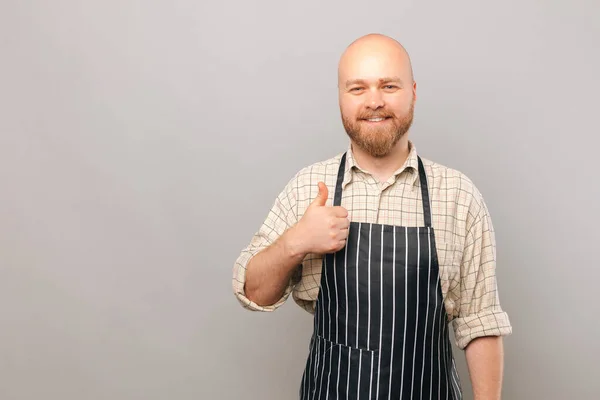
(385, 249)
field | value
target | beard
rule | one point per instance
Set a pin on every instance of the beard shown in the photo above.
(378, 141)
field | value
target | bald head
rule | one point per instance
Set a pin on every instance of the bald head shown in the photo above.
(374, 54)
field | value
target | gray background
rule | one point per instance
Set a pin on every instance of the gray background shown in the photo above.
(143, 142)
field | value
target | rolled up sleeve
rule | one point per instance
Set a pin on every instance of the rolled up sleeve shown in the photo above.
(479, 311)
(280, 217)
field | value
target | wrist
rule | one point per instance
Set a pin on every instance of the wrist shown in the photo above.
(294, 245)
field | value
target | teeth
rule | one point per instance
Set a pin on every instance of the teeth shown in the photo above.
(375, 119)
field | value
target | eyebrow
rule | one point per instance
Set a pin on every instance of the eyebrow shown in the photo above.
(381, 81)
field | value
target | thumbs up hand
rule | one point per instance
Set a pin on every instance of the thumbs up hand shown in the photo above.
(321, 198)
(322, 229)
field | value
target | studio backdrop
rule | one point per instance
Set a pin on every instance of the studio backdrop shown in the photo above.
(142, 144)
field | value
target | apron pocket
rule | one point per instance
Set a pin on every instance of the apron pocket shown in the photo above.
(343, 371)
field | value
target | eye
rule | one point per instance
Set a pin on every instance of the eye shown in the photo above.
(356, 89)
(391, 87)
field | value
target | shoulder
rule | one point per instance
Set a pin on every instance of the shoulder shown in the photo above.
(452, 184)
(303, 185)
(321, 170)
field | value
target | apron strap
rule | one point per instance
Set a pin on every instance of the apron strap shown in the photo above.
(337, 200)
(424, 194)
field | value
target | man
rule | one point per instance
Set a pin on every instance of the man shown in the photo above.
(385, 249)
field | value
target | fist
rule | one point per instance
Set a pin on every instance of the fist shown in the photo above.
(322, 229)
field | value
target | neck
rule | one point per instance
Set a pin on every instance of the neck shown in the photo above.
(382, 167)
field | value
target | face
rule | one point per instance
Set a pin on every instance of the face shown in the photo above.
(377, 96)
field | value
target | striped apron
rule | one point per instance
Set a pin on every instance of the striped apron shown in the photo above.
(380, 325)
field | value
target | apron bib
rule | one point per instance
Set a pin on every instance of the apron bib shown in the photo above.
(380, 325)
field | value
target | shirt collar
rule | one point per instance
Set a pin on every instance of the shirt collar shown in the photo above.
(410, 166)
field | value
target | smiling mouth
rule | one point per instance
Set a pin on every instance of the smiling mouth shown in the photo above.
(378, 119)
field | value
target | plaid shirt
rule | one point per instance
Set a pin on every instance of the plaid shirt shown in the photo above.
(463, 228)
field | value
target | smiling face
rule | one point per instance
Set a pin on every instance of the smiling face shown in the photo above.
(376, 94)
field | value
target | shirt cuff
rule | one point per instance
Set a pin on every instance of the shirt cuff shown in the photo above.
(485, 323)
(239, 280)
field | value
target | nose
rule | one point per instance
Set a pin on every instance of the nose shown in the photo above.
(375, 100)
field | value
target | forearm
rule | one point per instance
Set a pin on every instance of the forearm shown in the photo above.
(485, 359)
(268, 272)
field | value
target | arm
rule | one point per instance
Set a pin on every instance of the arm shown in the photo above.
(264, 261)
(262, 278)
(485, 359)
(269, 272)
(321, 230)
(480, 322)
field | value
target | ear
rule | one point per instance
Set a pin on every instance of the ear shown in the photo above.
(415, 91)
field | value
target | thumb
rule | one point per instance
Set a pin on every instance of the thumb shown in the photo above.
(321, 198)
